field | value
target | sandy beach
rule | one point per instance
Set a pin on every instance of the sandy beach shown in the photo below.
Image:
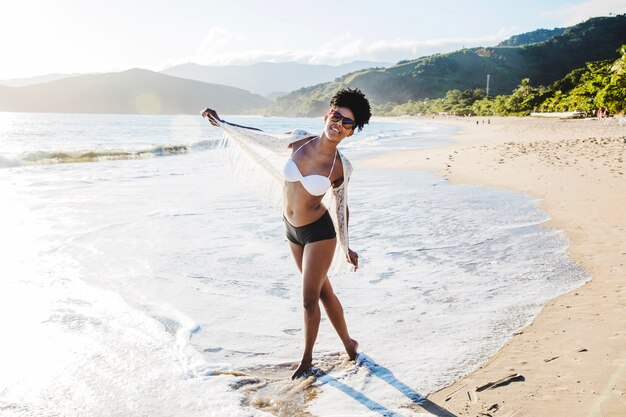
(571, 361)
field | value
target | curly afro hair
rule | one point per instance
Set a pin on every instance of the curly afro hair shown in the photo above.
(355, 100)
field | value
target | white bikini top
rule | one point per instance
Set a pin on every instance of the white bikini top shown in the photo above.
(314, 184)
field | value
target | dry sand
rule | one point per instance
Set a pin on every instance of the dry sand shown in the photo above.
(571, 361)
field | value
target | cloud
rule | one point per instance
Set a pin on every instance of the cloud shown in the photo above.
(224, 47)
(219, 42)
(580, 12)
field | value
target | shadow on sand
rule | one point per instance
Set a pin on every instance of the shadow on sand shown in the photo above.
(387, 376)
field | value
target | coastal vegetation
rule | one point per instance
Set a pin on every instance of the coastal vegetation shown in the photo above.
(600, 84)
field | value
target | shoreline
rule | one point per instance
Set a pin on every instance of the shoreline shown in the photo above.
(571, 360)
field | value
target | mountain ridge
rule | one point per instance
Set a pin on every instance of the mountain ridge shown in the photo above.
(134, 91)
(535, 36)
(267, 78)
(432, 76)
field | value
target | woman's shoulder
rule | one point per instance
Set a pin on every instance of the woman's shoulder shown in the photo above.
(299, 135)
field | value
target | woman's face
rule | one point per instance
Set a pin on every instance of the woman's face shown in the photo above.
(339, 123)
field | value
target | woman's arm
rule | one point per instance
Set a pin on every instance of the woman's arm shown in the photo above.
(215, 120)
(352, 257)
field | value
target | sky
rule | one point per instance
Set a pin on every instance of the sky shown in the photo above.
(40, 37)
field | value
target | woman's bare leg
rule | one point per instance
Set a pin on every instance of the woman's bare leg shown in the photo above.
(334, 310)
(297, 252)
(332, 305)
(316, 260)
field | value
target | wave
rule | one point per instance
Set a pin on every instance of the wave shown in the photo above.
(70, 157)
(8, 162)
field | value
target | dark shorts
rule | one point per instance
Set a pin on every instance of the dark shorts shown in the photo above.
(320, 229)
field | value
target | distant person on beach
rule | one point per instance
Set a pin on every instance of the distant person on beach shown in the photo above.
(316, 166)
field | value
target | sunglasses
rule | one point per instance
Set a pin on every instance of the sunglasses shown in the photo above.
(346, 122)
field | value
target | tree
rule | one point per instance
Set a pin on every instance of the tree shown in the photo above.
(613, 95)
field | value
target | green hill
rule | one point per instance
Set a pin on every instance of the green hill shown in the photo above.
(536, 36)
(431, 77)
(600, 84)
(133, 91)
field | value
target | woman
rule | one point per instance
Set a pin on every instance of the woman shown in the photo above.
(314, 167)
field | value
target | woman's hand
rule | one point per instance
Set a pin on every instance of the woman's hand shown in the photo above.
(215, 120)
(211, 114)
(353, 258)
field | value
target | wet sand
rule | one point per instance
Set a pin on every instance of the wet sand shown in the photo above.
(571, 361)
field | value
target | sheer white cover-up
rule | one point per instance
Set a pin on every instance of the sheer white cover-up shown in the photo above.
(260, 156)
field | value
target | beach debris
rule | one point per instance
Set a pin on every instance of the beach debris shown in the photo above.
(472, 396)
(494, 407)
(569, 353)
(450, 395)
(501, 382)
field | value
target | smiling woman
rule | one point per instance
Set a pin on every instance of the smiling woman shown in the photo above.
(314, 167)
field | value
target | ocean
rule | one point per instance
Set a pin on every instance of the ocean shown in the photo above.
(141, 277)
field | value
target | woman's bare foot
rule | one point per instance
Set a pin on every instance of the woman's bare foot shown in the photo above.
(304, 366)
(352, 348)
